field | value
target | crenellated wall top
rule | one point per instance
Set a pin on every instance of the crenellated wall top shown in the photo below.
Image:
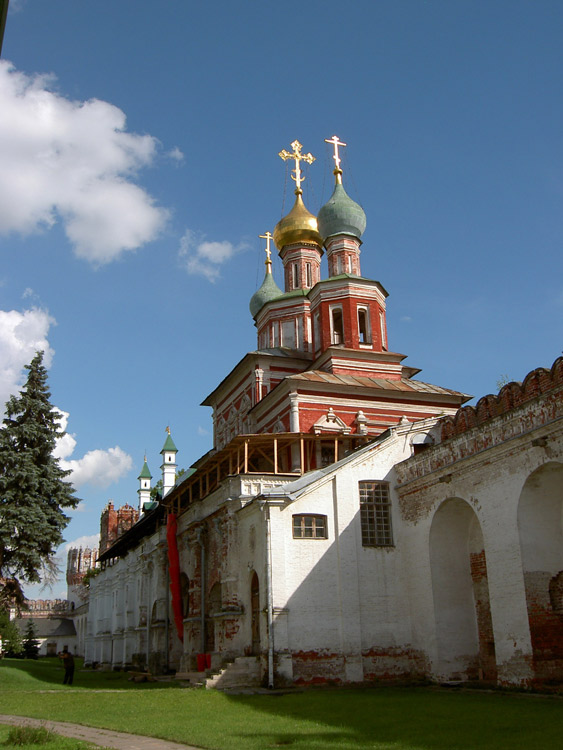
(536, 383)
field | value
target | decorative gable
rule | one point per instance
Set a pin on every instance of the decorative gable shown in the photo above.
(329, 422)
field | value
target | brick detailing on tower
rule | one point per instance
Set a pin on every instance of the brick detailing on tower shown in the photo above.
(79, 562)
(115, 522)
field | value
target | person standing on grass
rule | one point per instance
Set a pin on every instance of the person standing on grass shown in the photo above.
(68, 663)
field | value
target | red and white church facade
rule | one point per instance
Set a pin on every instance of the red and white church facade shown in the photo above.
(341, 529)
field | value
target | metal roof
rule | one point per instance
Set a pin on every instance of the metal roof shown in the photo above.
(403, 385)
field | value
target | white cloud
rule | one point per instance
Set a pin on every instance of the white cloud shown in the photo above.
(74, 162)
(406, 319)
(99, 468)
(205, 258)
(202, 431)
(22, 334)
(176, 155)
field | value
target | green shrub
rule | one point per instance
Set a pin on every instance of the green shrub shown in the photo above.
(29, 736)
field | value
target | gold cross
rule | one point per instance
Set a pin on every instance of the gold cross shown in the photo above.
(336, 143)
(268, 236)
(298, 156)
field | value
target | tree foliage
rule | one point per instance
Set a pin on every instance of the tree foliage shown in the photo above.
(156, 491)
(10, 635)
(30, 642)
(33, 490)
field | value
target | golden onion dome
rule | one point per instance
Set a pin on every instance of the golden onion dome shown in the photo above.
(298, 226)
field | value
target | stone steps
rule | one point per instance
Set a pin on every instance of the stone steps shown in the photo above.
(244, 672)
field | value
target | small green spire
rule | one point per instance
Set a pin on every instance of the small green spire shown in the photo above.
(169, 446)
(145, 473)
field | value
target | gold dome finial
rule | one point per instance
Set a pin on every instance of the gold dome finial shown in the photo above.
(298, 156)
(337, 170)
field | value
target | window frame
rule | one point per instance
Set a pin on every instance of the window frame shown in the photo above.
(336, 330)
(364, 311)
(376, 522)
(318, 532)
(295, 275)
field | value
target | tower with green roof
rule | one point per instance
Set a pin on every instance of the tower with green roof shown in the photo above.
(169, 464)
(341, 223)
(144, 490)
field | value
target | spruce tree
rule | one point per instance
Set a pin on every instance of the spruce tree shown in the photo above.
(9, 635)
(30, 643)
(33, 490)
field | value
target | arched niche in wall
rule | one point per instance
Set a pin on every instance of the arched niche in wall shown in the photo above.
(464, 634)
(540, 528)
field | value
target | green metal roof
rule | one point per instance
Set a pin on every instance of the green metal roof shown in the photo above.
(267, 292)
(145, 473)
(150, 505)
(341, 215)
(169, 446)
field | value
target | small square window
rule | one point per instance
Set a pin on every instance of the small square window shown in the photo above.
(309, 527)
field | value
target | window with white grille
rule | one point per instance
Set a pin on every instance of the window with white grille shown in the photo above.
(375, 514)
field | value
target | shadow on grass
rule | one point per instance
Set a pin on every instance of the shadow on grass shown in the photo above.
(23, 674)
(412, 719)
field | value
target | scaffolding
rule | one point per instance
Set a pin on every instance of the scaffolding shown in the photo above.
(289, 454)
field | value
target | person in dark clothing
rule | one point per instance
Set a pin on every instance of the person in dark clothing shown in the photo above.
(68, 663)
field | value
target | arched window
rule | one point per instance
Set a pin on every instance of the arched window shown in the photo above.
(364, 332)
(337, 326)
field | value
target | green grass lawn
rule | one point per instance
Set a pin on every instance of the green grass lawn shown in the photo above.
(381, 718)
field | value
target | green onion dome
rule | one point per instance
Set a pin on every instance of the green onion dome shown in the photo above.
(267, 292)
(341, 215)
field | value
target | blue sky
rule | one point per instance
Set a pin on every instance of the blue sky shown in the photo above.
(138, 153)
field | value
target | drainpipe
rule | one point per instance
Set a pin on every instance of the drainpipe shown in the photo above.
(270, 606)
(148, 614)
(166, 622)
(202, 577)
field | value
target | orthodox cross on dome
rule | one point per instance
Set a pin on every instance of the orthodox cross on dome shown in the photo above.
(336, 143)
(298, 156)
(268, 237)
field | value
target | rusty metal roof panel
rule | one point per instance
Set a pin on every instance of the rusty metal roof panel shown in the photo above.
(404, 385)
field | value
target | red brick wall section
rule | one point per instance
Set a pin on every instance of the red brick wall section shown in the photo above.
(325, 667)
(108, 527)
(394, 664)
(546, 625)
(317, 667)
(487, 657)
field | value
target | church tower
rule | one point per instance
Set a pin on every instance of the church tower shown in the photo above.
(323, 365)
(144, 490)
(169, 464)
(348, 311)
